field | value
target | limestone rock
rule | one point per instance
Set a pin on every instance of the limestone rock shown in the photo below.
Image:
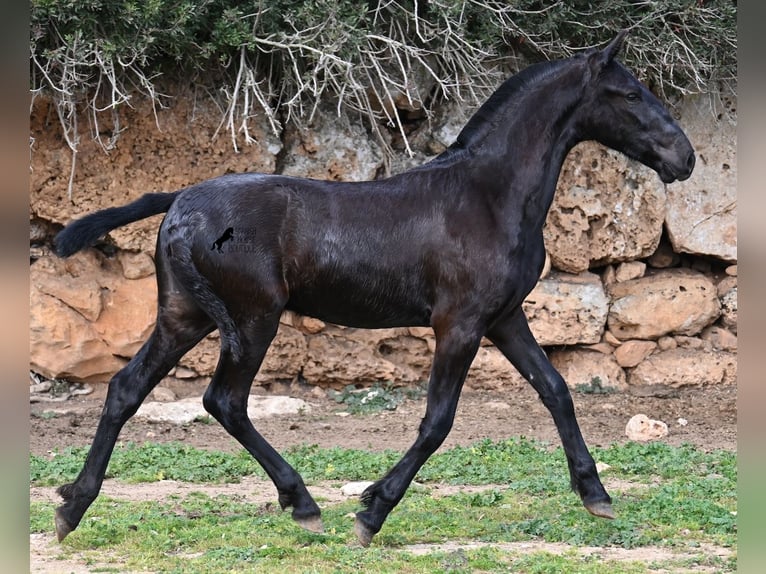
(128, 316)
(666, 343)
(73, 282)
(136, 265)
(629, 270)
(580, 367)
(449, 120)
(286, 356)
(643, 429)
(163, 149)
(668, 301)
(310, 325)
(188, 410)
(491, 370)
(685, 367)
(606, 209)
(565, 309)
(336, 360)
(331, 148)
(720, 339)
(355, 488)
(86, 319)
(701, 213)
(203, 358)
(64, 345)
(163, 395)
(695, 343)
(729, 310)
(631, 353)
(664, 256)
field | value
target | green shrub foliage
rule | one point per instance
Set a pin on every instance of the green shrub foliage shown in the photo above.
(282, 58)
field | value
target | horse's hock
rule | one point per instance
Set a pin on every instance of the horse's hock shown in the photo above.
(643, 289)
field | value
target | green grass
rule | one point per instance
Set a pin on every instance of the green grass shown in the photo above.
(677, 498)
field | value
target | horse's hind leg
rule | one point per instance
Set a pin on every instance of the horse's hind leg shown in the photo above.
(226, 399)
(175, 333)
(514, 339)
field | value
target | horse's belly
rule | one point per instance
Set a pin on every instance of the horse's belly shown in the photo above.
(366, 303)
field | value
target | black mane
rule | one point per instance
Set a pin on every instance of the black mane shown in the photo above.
(486, 117)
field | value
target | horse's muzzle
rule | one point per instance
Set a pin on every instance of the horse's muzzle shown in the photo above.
(688, 167)
(677, 170)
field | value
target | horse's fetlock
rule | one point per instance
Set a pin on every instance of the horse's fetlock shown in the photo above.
(66, 491)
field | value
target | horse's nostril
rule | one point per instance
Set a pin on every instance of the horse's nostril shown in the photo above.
(690, 162)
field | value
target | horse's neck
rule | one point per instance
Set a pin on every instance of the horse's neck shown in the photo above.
(527, 148)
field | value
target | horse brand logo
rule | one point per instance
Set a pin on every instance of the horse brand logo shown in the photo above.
(218, 243)
(239, 242)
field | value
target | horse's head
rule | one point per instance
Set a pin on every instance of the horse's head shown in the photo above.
(623, 114)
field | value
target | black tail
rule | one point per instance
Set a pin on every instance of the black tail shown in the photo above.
(85, 231)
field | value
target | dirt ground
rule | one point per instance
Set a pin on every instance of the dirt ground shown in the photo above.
(710, 416)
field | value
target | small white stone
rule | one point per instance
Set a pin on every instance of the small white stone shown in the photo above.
(602, 467)
(641, 428)
(355, 488)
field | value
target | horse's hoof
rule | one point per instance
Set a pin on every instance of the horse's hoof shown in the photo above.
(363, 533)
(62, 526)
(601, 509)
(311, 523)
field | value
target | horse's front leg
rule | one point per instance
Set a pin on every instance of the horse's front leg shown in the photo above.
(514, 339)
(456, 346)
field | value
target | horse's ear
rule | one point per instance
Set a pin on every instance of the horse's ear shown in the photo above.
(614, 46)
(603, 57)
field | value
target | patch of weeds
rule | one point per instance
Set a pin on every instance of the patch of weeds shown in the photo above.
(40, 516)
(550, 563)
(656, 459)
(492, 497)
(522, 464)
(685, 499)
(595, 387)
(58, 468)
(148, 462)
(315, 463)
(379, 397)
(46, 415)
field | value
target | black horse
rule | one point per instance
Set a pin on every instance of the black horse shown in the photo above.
(455, 244)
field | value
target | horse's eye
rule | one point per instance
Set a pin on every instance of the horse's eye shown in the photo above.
(632, 97)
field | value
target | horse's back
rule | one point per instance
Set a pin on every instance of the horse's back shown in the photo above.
(343, 252)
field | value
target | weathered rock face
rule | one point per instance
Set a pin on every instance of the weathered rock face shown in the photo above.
(702, 211)
(621, 302)
(86, 318)
(341, 360)
(685, 367)
(585, 368)
(145, 159)
(331, 148)
(631, 353)
(670, 301)
(566, 309)
(606, 210)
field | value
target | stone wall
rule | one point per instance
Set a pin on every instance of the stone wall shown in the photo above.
(642, 286)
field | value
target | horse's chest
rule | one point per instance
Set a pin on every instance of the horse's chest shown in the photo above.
(525, 265)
